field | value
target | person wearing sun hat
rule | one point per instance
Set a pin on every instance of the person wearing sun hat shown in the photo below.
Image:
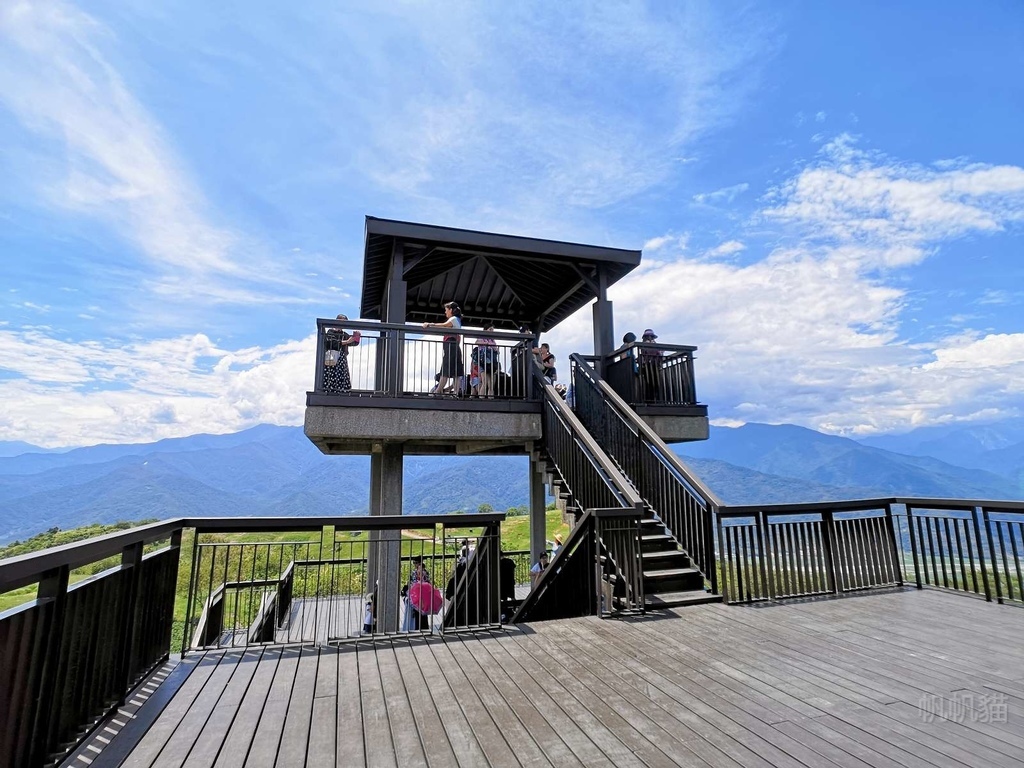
(558, 546)
(650, 367)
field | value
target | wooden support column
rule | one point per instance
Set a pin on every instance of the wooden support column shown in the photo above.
(538, 516)
(394, 312)
(604, 329)
(386, 468)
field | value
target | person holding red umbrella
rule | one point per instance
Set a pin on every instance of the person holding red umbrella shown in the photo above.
(419, 596)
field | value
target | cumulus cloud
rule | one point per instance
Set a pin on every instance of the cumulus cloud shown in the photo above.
(59, 393)
(811, 333)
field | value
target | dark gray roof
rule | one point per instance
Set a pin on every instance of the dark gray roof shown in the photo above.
(506, 279)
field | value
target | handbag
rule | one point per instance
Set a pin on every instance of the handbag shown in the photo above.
(331, 357)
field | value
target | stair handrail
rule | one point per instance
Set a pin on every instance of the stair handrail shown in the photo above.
(677, 468)
(620, 486)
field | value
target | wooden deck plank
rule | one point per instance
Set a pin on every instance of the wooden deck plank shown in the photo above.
(238, 739)
(583, 748)
(491, 737)
(614, 674)
(295, 734)
(480, 665)
(461, 736)
(799, 684)
(267, 737)
(157, 737)
(351, 748)
(614, 749)
(900, 663)
(616, 713)
(209, 742)
(731, 713)
(323, 727)
(378, 738)
(409, 748)
(429, 723)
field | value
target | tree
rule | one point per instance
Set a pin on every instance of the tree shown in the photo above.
(485, 509)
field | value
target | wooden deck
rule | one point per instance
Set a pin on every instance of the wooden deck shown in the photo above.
(904, 678)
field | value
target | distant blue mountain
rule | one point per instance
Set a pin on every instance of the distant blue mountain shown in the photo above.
(267, 470)
(967, 446)
(811, 457)
(270, 470)
(9, 448)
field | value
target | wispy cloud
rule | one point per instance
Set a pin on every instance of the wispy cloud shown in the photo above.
(529, 111)
(119, 165)
(892, 210)
(724, 195)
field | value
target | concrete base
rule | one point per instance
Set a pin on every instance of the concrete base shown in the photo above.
(678, 429)
(343, 430)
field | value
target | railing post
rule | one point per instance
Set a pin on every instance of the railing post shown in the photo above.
(761, 520)
(914, 545)
(992, 553)
(710, 554)
(827, 541)
(52, 586)
(131, 561)
(895, 540)
(318, 375)
(976, 513)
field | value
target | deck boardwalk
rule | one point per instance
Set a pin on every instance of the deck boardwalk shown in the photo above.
(904, 678)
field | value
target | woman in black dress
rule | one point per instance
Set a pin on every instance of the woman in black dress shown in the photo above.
(451, 355)
(337, 377)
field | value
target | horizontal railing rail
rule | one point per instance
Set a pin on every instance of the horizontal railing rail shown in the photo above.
(370, 359)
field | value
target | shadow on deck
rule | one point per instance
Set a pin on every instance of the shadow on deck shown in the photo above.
(903, 678)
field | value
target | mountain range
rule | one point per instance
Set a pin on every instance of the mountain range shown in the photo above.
(272, 470)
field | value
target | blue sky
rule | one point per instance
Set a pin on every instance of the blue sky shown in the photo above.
(830, 197)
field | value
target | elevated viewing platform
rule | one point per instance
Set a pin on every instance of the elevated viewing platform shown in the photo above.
(382, 381)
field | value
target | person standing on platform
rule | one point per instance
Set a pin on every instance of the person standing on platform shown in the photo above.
(451, 354)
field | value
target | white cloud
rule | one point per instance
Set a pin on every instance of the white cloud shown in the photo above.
(65, 394)
(811, 333)
(890, 210)
(724, 195)
(820, 117)
(728, 248)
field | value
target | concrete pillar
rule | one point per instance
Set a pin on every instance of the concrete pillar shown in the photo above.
(386, 468)
(604, 328)
(538, 520)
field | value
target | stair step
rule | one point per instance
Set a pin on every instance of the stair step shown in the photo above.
(676, 599)
(670, 573)
(661, 556)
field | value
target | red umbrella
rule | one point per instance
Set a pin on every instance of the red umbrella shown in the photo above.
(425, 597)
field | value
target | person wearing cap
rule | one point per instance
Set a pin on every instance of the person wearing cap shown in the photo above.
(650, 367)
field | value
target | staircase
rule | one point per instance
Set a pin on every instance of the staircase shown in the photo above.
(670, 579)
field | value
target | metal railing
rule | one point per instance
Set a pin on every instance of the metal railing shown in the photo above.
(350, 578)
(652, 374)
(71, 655)
(597, 488)
(405, 361)
(673, 492)
(800, 550)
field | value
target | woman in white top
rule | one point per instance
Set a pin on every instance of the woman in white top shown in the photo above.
(451, 359)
